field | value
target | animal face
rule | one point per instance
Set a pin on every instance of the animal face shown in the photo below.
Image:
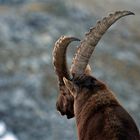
(65, 103)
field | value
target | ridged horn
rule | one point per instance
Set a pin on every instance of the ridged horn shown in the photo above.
(59, 57)
(91, 39)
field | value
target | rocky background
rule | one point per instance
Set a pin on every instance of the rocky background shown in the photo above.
(28, 86)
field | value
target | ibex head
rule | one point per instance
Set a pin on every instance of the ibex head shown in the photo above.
(80, 67)
(65, 100)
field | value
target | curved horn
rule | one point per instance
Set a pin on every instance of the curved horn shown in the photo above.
(59, 57)
(91, 39)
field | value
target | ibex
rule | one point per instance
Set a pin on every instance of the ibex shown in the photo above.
(99, 115)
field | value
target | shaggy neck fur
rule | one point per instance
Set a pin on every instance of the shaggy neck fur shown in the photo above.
(99, 116)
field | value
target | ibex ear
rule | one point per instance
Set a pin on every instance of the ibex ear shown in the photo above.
(68, 84)
(88, 70)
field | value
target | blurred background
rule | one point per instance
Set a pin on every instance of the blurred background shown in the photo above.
(28, 84)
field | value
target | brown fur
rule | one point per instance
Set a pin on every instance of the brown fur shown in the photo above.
(99, 116)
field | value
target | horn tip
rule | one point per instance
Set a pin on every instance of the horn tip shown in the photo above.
(126, 12)
(130, 13)
(75, 39)
(123, 13)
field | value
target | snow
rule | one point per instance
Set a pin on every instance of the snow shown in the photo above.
(4, 134)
